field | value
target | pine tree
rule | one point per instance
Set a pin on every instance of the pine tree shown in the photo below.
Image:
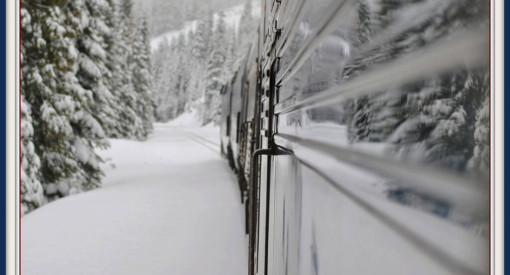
(247, 28)
(215, 72)
(93, 71)
(31, 190)
(200, 42)
(141, 77)
(480, 160)
(162, 77)
(85, 69)
(200, 52)
(120, 82)
(65, 132)
(187, 74)
(431, 120)
(358, 129)
(362, 32)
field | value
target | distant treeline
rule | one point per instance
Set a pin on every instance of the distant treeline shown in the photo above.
(168, 15)
(189, 71)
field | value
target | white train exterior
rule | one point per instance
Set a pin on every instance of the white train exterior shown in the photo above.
(326, 194)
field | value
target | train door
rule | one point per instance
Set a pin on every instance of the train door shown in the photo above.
(265, 161)
(265, 218)
(267, 164)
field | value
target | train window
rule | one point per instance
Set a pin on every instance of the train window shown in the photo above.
(427, 117)
(406, 91)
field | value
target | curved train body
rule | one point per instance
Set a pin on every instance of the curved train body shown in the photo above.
(345, 125)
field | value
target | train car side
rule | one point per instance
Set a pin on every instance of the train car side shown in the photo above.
(311, 118)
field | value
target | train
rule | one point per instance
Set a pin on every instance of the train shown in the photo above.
(359, 132)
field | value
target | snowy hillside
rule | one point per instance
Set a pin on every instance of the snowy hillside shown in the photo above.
(232, 19)
(191, 65)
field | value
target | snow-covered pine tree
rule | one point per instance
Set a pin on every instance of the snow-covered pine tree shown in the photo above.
(65, 132)
(432, 120)
(142, 76)
(201, 38)
(117, 81)
(31, 190)
(441, 121)
(447, 105)
(181, 73)
(362, 30)
(120, 81)
(133, 123)
(163, 77)
(358, 129)
(200, 51)
(247, 28)
(185, 75)
(230, 43)
(385, 114)
(126, 8)
(93, 71)
(480, 160)
(215, 72)
(445, 116)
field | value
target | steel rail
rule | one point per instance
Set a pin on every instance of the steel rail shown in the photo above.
(468, 48)
(204, 139)
(334, 15)
(206, 145)
(467, 193)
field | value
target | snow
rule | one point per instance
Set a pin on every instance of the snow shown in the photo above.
(188, 118)
(232, 19)
(89, 67)
(168, 205)
(81, 150)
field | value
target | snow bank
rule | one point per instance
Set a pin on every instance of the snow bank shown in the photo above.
(170, 206)
(189, 118)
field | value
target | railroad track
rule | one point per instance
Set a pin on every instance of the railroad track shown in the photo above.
(211, 145)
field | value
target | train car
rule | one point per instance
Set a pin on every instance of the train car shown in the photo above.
(232, 98)
(247, 137)
(225, 125)
(365, 139)
(235, 96)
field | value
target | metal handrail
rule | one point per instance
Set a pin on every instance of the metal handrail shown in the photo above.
(467, 193)
(293, 27)
(334, 15)
(467, 48)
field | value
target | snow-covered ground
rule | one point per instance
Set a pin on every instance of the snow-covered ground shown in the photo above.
(169, 206)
